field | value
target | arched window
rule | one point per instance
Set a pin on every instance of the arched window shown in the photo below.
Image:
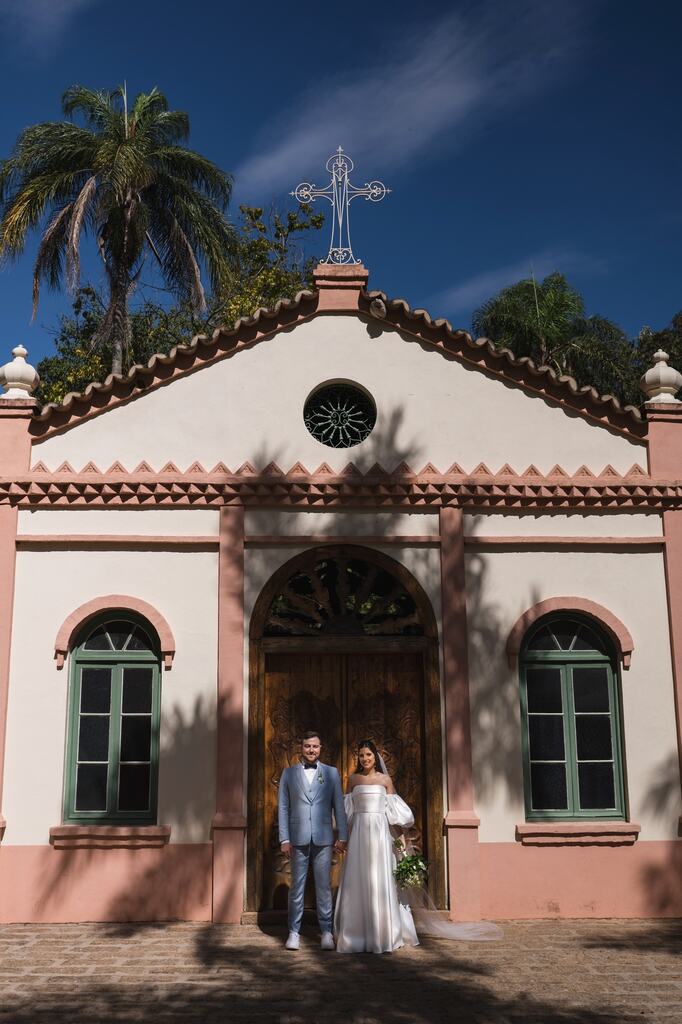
(114, 710)
(572, 763)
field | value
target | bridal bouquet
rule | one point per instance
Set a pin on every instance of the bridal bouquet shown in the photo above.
(410, 872)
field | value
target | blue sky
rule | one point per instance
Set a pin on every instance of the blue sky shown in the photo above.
(534, 132)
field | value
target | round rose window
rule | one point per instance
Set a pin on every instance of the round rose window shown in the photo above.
(340, 415)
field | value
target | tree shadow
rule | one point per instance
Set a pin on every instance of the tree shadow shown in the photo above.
(240, 979)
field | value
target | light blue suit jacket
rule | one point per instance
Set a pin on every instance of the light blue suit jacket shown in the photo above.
(305, 813)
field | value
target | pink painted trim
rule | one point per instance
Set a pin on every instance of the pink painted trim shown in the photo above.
(615, 628)
(228, 820)
(563, 542)
(228, 839)
(461, 819)
(77, 837)
(589, 833)
(410, 540)
(115, 540)
(113, 602)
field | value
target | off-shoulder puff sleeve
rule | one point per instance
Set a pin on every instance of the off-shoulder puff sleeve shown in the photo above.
(397, 811)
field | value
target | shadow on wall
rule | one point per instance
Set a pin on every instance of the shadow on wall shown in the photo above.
(171, 882)
(663, 883)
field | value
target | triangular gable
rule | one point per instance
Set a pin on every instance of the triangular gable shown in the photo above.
(369, 305)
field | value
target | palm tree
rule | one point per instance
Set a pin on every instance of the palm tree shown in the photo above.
(546, 321)
(123, 178)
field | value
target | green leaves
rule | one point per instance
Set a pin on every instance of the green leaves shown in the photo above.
(121, 177)
(546, 321)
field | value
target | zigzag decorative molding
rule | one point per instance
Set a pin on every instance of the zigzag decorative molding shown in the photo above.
(350, 488)
(349, 470)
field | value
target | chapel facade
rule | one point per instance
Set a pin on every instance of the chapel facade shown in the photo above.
(344, 515)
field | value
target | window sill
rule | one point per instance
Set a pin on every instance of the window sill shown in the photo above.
(577, 833)
(108, 837)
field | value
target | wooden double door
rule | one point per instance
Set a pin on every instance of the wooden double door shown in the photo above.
(347, 696)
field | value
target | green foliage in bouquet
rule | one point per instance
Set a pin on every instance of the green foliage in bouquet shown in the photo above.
(410, 872)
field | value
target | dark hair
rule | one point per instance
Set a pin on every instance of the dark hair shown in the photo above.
(370, 746)
(309, 733)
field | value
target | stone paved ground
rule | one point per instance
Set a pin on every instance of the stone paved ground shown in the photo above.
(575, 972)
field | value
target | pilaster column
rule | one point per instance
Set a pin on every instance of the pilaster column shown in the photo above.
(15, 459)
(461, 822)
(665, 462)
(229, 823)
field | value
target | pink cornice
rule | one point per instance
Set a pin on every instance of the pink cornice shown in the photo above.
(614, 627)
(323, 488)
(113, 602)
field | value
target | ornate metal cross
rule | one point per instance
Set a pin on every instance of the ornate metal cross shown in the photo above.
(340, 193)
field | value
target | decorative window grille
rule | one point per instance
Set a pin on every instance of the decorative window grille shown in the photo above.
(113, 734)
(342, 597)
(572, 759)
(340, 415)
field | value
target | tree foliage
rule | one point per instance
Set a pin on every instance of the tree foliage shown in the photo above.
(121, 176)
(267, 264)
(546, 320)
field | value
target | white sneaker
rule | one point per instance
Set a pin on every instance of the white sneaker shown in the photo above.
(327, 940)
(292, 941)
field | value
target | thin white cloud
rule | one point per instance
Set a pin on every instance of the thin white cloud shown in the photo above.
(39, 22)
(465, 297)
(424, 92)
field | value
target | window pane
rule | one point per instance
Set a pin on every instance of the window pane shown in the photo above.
(597, 788)
(93, 738)
(91, 787)
(542, 641)
(593, 734)
(591, 689)
(119, 633)
(96, 690)
(564, 630)
(97, 641)
(543, 686)
(133, 789)
(136, 733)
(137, 690)
(139, 641)
(587, 640)
(548, 787)
(546, 735)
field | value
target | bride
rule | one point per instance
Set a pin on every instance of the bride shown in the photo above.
(369, 916)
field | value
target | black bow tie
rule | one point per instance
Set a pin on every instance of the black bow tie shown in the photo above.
(305, 764)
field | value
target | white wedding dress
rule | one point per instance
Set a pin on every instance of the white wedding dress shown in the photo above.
(370, 917)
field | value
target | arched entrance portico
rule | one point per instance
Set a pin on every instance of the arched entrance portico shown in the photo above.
(343, 639)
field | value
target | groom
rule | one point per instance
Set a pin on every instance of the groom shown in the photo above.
(308, 791)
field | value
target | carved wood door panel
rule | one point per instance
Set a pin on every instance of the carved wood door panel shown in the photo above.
(385, 704)
(348, 697)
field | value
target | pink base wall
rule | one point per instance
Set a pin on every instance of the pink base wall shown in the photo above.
(642, 880)
(41, 884)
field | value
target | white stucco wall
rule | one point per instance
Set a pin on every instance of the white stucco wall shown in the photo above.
(285, 523)
(577, 524)
(182, 586)
(500, 587)
(250, 407)
(173, 522)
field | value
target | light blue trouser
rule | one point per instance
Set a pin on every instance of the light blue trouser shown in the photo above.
(321, 857)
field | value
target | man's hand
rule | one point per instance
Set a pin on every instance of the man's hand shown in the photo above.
(286, 849)
(340, 845)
